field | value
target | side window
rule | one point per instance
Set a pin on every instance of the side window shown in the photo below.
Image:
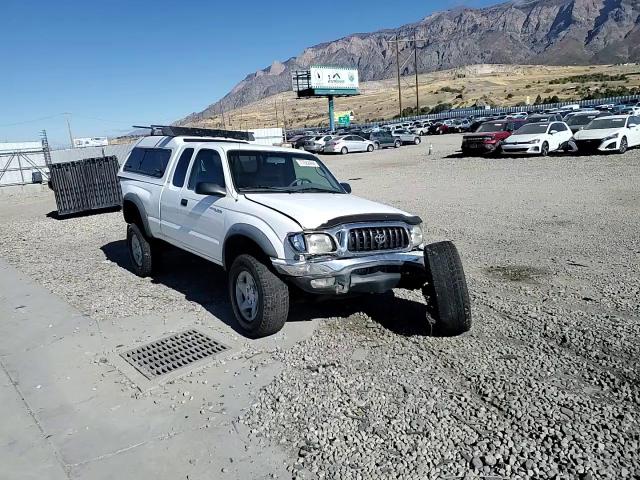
(148, 161)
(207, 167)
(181, 169)
(358, 139)
(348, 138)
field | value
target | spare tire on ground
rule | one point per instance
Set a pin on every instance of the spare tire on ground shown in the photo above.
(446, 289)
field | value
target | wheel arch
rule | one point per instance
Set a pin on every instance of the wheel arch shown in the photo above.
(245, 238)
(134, 212)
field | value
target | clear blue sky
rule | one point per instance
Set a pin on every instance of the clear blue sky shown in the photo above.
(115, 63)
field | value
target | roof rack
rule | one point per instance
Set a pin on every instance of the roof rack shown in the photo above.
(173, 131)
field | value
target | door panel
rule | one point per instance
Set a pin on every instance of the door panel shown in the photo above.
(205, 214)
(172, 221)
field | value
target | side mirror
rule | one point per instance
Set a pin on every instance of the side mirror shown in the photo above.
(631, 125)
(208, 188)
(346, 187)
(553, 132)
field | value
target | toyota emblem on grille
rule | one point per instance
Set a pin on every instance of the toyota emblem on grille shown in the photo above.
(380, 238)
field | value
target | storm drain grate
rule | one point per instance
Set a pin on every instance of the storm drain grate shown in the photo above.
(172, 353)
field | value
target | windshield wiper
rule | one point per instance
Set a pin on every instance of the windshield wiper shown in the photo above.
(265, 188)
(316, 189)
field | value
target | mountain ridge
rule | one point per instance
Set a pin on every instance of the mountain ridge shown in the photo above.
(545, 32)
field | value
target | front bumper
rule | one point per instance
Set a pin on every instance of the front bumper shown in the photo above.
(376, 273)
(528, 148)
(478, 147)
(597, 145)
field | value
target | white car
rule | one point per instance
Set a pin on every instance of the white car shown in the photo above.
(538, 138)
(614, 133)
(347, 144)
(276, 220)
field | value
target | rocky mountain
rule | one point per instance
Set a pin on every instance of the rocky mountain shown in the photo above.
(550, 32)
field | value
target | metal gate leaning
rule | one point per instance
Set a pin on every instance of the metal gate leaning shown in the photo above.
(85, 185)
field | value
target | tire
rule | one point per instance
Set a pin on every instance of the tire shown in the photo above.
(378, 147)
(370, 148)
(140, 251)
(544, 149)
(270, 296)
(344, 150)
(624, 145)
(446, 289)
(416, 141)
(397, 144)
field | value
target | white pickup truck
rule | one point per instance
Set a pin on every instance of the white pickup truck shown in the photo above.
(276, 219)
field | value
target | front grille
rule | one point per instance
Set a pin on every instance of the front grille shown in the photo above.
(368, 239)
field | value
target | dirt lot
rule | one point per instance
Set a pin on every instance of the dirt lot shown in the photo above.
(547, 383)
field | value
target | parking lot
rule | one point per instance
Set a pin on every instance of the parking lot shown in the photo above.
(545, 385)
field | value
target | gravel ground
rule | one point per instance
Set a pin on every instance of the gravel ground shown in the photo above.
(546, 384)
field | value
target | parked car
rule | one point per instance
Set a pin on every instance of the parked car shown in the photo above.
(439, 128)
(276, 219)
(489, 136)
(577, 121)
(420, 128)
(383, 139)
(538, 138)
(299, 140)
(461, 125)
(406, 136)
(316, 144)
(612, 133)
(348, 144)
(544, 118)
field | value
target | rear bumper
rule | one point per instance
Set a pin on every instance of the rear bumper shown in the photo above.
(375, 273)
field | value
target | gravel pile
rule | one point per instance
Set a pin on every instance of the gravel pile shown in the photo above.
(547, 383)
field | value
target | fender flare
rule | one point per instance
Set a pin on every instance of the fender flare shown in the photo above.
(252, 233)
(130, 197)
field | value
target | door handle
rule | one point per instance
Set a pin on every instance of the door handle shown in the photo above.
(183, 202)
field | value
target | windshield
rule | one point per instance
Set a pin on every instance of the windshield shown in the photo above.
(532, 128)
(581, 119)
(602, 123)
(264, 171)
(491, 127)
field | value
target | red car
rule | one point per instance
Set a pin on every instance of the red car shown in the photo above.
(489, 136)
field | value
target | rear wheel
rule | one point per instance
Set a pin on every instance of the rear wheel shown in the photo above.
(446, 289)
(397, 144)
(377, 144)
(344, 151)
(370, 148)
(417, 141)
(624, 145)
(544, 150)
(140, 251)
(260, 299)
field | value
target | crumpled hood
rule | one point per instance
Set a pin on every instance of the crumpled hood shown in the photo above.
(312, 210)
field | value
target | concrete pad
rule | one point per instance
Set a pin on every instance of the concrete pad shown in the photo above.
(25, 453)
(101, 420)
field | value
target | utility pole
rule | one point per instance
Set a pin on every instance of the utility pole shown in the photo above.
(415, 60)
(68, 115)
(284, 121)
(275, 104)
(398, 70)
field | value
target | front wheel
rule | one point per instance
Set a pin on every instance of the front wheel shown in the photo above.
(416, 141)
(544, 150)
(397, 144)
(344, 151)
(378, 147)
(370, 148)
(446, 289)
(260, 299)
(624, 145)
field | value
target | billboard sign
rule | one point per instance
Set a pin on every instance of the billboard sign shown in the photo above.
(334, 78)
(90, 142)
